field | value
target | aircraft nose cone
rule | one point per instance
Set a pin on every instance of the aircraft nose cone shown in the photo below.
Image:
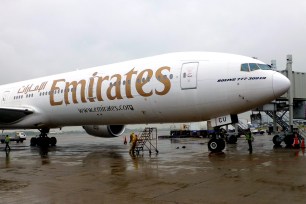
(281, 84)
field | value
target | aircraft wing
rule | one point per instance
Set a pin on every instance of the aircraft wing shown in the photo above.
(9, 115)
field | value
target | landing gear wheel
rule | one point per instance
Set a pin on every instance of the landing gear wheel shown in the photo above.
(232, 139)
(44, 141)
(216, 145)
(38, 141)
(53, 141)
(288, 140)
(222, 144)
(277, 140)
(33, 142)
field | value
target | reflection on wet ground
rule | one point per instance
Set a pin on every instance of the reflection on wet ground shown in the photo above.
(84, 169)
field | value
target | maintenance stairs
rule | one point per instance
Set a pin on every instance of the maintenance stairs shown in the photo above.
(281, 119)
(242, 127)
(146, 141)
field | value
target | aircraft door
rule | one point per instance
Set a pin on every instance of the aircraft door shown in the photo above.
(5, 96)
(189, 75)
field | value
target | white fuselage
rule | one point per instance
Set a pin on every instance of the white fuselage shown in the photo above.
(176, 87)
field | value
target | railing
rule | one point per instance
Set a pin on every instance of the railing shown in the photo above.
(146, 141)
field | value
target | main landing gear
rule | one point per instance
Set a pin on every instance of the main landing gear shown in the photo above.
(43, 140)
(287, 138)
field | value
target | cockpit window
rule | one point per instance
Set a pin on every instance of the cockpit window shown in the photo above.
(264, 66)
(253, 66)
(247, 67)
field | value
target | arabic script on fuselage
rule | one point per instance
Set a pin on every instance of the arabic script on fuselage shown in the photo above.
(32, 88)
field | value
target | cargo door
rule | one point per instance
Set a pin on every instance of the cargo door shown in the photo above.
(189, 75)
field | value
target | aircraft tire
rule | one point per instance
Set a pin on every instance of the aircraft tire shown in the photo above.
(276, 140)
(53, 141)
(33, 141)
(45, 141)
(38, 141)
(232, 139)
(288, 140)
(216, 145)
(222, 144)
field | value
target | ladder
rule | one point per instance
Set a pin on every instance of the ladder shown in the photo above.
(281, 120)
(146, 141)
(241, 126)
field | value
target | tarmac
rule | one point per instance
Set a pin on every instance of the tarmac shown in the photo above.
(85, 169)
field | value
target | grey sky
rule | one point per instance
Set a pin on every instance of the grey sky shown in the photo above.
(39, 38)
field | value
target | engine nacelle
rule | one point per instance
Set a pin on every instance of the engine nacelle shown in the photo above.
(104, 130)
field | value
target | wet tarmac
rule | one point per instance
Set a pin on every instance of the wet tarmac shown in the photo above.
(85, 169)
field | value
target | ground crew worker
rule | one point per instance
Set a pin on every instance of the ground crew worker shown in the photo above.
(7, 141)
(131, 137)
(133, 146)
(249, 138)
(125, 142)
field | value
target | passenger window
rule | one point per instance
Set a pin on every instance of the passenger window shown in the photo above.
(253, 66)
(245, 67)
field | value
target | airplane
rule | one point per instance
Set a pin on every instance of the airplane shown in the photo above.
(167, 88)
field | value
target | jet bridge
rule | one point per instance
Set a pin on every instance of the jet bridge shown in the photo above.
(291, 105)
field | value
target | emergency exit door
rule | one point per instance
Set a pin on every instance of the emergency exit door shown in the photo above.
(189, 75)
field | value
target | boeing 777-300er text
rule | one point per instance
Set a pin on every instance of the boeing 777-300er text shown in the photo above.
(168, 88)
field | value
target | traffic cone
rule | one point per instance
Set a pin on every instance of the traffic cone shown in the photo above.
(303, 143)
(125, 142)
(296, 143)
